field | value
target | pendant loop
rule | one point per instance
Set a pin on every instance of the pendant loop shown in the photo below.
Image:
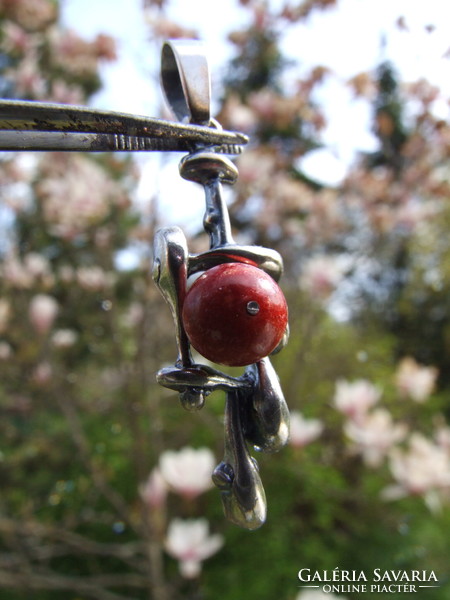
(186, 80)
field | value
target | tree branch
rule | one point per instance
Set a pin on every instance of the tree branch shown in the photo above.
(92, 587)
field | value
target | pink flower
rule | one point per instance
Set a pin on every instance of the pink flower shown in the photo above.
(32, 15)
(442, 436)
(256, 167)
(24, 273)
(75, 193)
(415, 381)
(188, 471)
(303, 431)
(36, 265)
(64, 338)
(105, 47)
(375, 435)
(16, 274)
(42, 312)
(27, 78)
(63, 93)
(94, 278)
(43, 373)
(238, 115)
(189, 542)
(15, 38)
(154, 491)
(264, 103)
(5, 313)
(353, 399)
(422, 469)
(77, 56)
(321, 275)
(5, 351)
(167, 29)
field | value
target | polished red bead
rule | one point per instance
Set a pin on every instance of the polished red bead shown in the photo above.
(235, 314)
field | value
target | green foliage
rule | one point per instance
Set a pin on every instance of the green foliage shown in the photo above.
(258, 65)
(389, 120)
(82, 420)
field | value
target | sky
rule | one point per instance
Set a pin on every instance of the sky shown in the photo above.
(348, 39)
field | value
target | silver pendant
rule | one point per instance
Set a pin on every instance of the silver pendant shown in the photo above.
(256, 413)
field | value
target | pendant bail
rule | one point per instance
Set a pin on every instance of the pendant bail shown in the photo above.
(186, 80)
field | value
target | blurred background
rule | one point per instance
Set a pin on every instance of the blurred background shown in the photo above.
(105, 480)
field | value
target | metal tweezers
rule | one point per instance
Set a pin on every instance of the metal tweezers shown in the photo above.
(28, 125)
(41, 126)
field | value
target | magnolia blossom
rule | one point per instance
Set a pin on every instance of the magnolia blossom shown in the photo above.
(154, 491)
(43, 373)
(36, 264)
(291, 196)
(5, 313)
(16, 39)
(167, 29)
(256, 167)
(63, 93)
(442, 436)
(415, 381)
(76, 55)
(16, 274)
(321, 275)
(318, 595)
(354, 398)
(75, 193)
(27, 78)
(32, 15)
(42, 312)
(238, 115)
(375, 435)
(422, 468)
(188, 471)
(280, 110)
(363, 84)
(189, 542)
(303, 431)
(412, 214)
(5, 351)
(64, 338)
(93, 278)
(23, 273)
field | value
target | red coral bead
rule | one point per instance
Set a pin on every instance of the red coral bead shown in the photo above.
(235, 314)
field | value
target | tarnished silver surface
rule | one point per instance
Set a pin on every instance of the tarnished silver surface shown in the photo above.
(265, 413)
(256, 413)
(211, 170)
(202, 377)
(237, 476)
(170, 263)
(264, 258)
(26, 125)
(186, 80)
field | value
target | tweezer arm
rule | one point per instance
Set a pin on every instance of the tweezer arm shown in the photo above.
(104, 142)
(28, 125)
